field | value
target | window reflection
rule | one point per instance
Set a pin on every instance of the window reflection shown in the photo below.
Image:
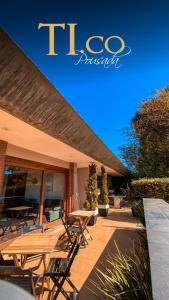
(21, 195)
(54, 195)
(21, 190)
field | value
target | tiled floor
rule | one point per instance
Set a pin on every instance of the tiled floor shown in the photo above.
(119, 226)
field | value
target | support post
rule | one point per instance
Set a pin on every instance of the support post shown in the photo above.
(3, 149)
(42, 192)
(73, 203)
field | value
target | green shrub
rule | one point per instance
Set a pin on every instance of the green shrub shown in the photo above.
(126, 277)
(92, 189)
(104, 195)
(151, 188)
(138, 211)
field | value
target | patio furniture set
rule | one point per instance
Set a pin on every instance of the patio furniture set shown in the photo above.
(33, 244)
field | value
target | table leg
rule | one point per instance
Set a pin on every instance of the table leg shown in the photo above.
(16, 262)
(45, 263)
(23, 260)
(85, 226)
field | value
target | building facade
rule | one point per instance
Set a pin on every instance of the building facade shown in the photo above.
(45, 146)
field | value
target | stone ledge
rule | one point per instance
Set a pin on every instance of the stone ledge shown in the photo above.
(157, 226)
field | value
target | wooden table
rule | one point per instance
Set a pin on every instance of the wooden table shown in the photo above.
(82, 213)
(85, 216)
(36, 243)
(20, 210)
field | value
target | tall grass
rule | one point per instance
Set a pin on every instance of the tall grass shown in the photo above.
(126, 277)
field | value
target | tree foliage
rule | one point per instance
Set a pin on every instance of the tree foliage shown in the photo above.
(104, 195)
(91, 189)
(149, 153)
(130, 151)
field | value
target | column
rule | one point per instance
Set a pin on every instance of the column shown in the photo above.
(73, 203)
(3, 149)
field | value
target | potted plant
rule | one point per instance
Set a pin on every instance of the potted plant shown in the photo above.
(103, 199)
(91, 202)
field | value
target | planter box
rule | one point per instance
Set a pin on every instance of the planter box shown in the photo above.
(103, 209)
(93, 219)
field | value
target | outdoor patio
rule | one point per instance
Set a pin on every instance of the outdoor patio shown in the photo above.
(120, 226)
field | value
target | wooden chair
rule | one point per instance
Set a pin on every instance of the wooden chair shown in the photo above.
(73, 228)
(67, 222)
(59, 272)
(22, 278)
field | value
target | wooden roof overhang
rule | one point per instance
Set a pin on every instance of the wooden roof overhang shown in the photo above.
(28, 95)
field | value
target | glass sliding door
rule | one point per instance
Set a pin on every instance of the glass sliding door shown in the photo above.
(54, 195)
(21, 192)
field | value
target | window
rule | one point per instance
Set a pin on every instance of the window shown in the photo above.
(54, 194)
(21, 193)
(21, 189)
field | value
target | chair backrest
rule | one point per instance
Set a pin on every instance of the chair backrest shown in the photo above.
(72, 249)
(70, 258)
(30, 228)
(72, 254)
(66, 220)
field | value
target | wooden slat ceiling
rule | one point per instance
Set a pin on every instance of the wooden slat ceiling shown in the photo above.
(28, 95)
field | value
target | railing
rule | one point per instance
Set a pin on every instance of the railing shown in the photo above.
(157, 226)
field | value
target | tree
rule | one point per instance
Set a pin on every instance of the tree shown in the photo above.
(130, 151)
(91, 189)
(151, 129)
(104, 195)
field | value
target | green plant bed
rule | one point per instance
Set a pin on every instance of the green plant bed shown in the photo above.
(91, 202)
(103, 199)
(138, 211)
(125, 276)
(151, 188)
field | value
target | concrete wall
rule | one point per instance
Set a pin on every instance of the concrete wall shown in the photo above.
(82, 183)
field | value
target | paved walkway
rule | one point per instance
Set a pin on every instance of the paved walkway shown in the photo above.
(119, 226)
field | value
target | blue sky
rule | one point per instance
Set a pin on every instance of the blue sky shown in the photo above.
(106, 98)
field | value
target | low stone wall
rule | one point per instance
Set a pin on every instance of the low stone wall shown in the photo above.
(157, 226)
